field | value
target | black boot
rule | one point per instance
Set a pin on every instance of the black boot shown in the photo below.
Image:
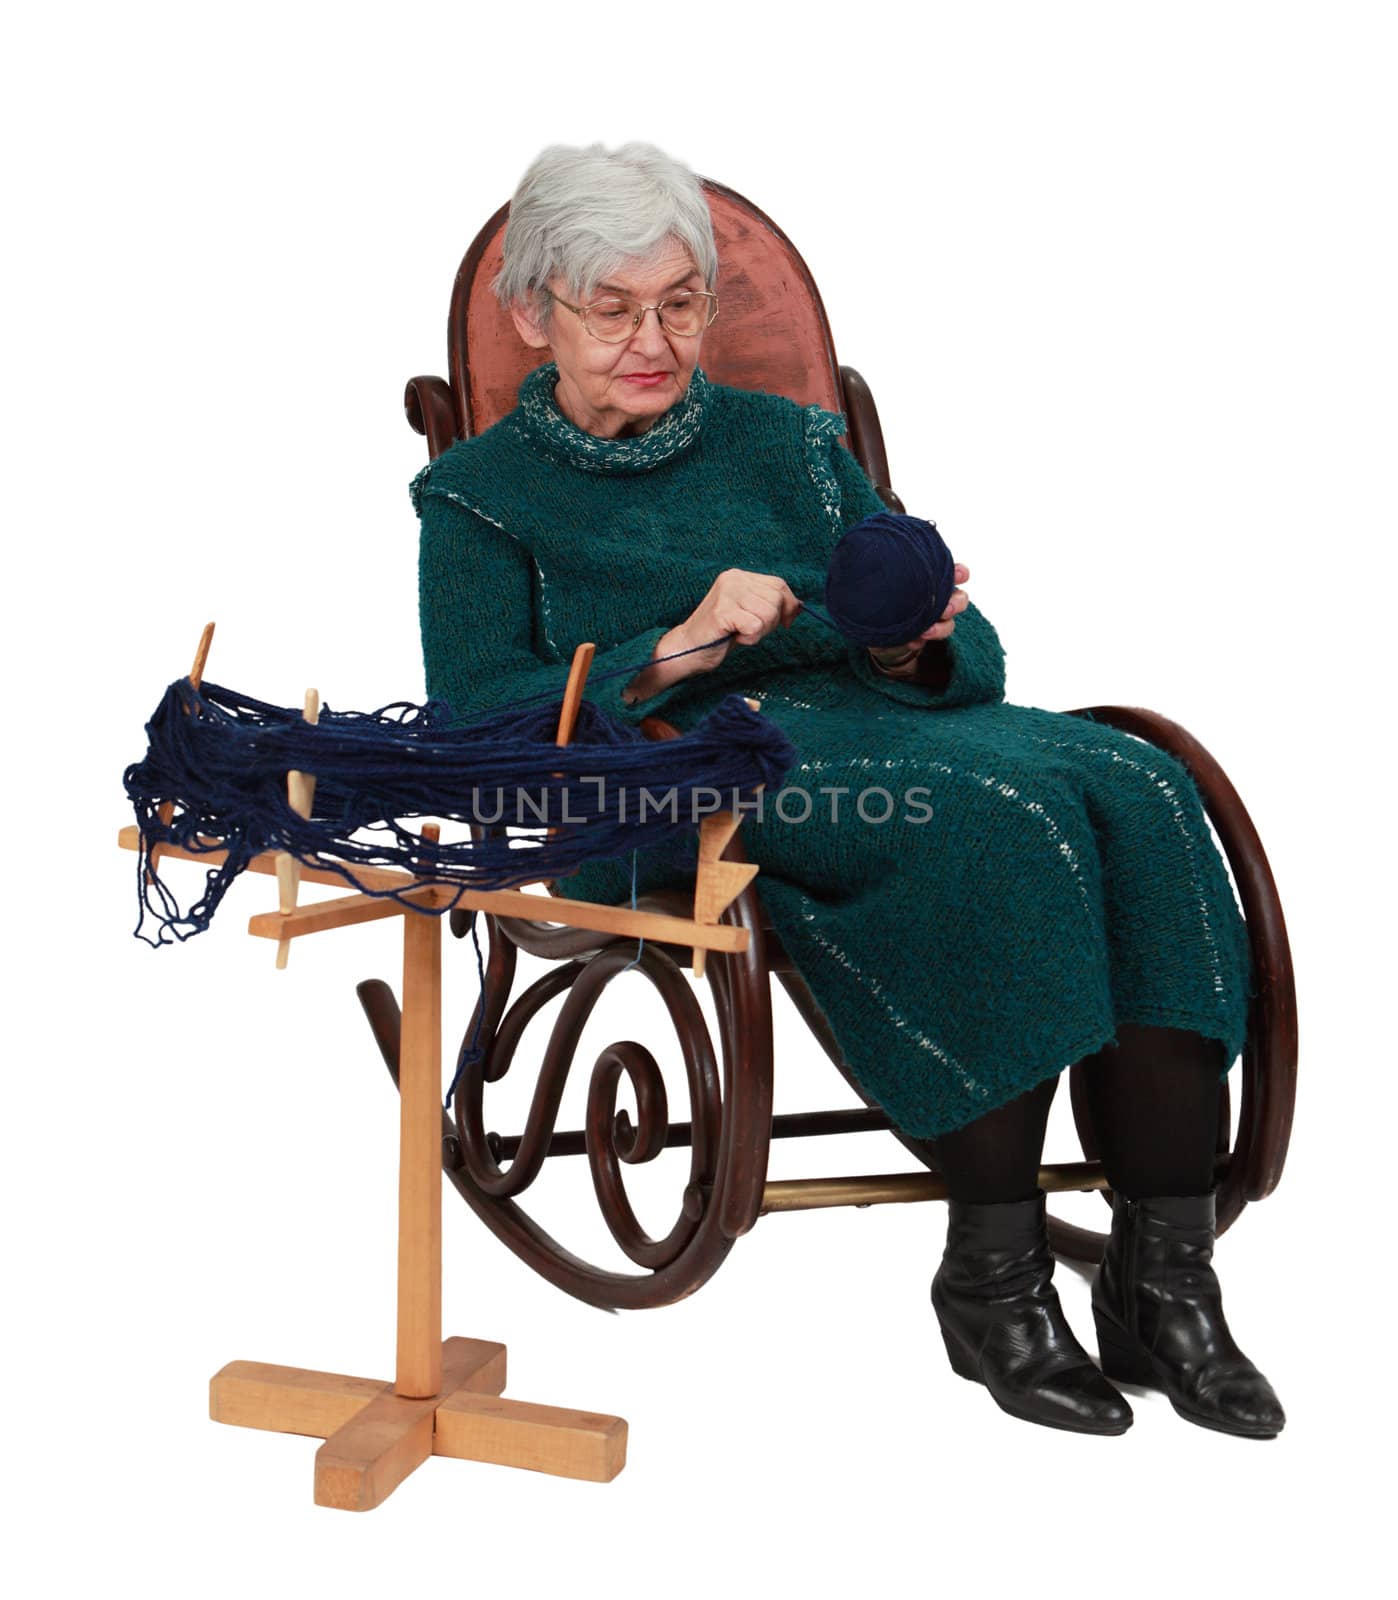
(1003, 1324)
(1159, 1312)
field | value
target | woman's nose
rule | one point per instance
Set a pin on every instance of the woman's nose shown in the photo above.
(650, 336)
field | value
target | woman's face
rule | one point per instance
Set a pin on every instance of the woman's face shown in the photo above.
(617, 389)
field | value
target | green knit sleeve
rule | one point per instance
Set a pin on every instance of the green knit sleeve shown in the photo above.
(974, 657)
(476, 611)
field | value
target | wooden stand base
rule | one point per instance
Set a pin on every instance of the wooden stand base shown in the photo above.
(375, 1437)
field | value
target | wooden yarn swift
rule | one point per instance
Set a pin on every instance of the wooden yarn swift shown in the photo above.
(446, 1397)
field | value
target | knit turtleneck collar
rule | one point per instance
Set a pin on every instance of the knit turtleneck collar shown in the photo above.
(666, 437)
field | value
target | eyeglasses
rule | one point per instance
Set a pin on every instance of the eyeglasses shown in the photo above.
(615, 318)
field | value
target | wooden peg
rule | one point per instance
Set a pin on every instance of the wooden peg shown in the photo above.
(201, 655)
(573, 692)
(718, 883)
(196, 677)
(300, 795)
(568, 716)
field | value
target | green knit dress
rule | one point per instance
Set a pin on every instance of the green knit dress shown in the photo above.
(976, 893)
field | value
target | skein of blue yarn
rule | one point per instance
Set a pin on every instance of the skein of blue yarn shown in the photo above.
(890, 578)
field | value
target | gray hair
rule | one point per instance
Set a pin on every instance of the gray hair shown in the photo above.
(581, 211)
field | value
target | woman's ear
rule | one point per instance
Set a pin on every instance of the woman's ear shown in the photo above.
(525, 316)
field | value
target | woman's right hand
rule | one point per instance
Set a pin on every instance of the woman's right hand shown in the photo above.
(746, 606)
(740, 605)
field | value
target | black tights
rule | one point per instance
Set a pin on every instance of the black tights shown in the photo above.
(1154, 1103)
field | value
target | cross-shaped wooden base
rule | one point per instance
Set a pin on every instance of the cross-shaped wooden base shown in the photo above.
(445, 1399)
(374, 1438)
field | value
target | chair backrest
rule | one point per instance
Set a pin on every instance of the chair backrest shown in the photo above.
(771, 331)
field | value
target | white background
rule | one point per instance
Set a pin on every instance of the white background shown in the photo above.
(1121, 279)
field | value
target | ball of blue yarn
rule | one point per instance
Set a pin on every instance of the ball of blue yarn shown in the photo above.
(890, 578)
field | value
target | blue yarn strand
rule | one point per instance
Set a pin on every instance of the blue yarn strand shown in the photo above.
(641, 944)
(471, 1052)
(221, 759)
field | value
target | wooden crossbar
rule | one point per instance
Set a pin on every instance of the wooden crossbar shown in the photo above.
(620, 920)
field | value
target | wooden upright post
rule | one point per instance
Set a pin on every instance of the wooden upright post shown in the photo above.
(420, 1157)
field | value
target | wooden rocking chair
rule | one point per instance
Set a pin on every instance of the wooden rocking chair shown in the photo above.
(773, 335)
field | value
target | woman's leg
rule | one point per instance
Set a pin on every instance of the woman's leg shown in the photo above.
(1000, 1315)
(996, 1158)
(1156, 1297)
(1154, 1103)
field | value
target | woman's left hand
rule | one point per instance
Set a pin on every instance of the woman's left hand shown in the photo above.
(905, 656)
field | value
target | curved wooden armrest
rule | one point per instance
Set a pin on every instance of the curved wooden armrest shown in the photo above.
(866, 435)
(431, 410)
(1269, 1057)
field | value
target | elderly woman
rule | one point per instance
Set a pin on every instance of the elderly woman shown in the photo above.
(1065, 902)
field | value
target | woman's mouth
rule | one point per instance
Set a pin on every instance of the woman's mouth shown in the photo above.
(645, 380)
